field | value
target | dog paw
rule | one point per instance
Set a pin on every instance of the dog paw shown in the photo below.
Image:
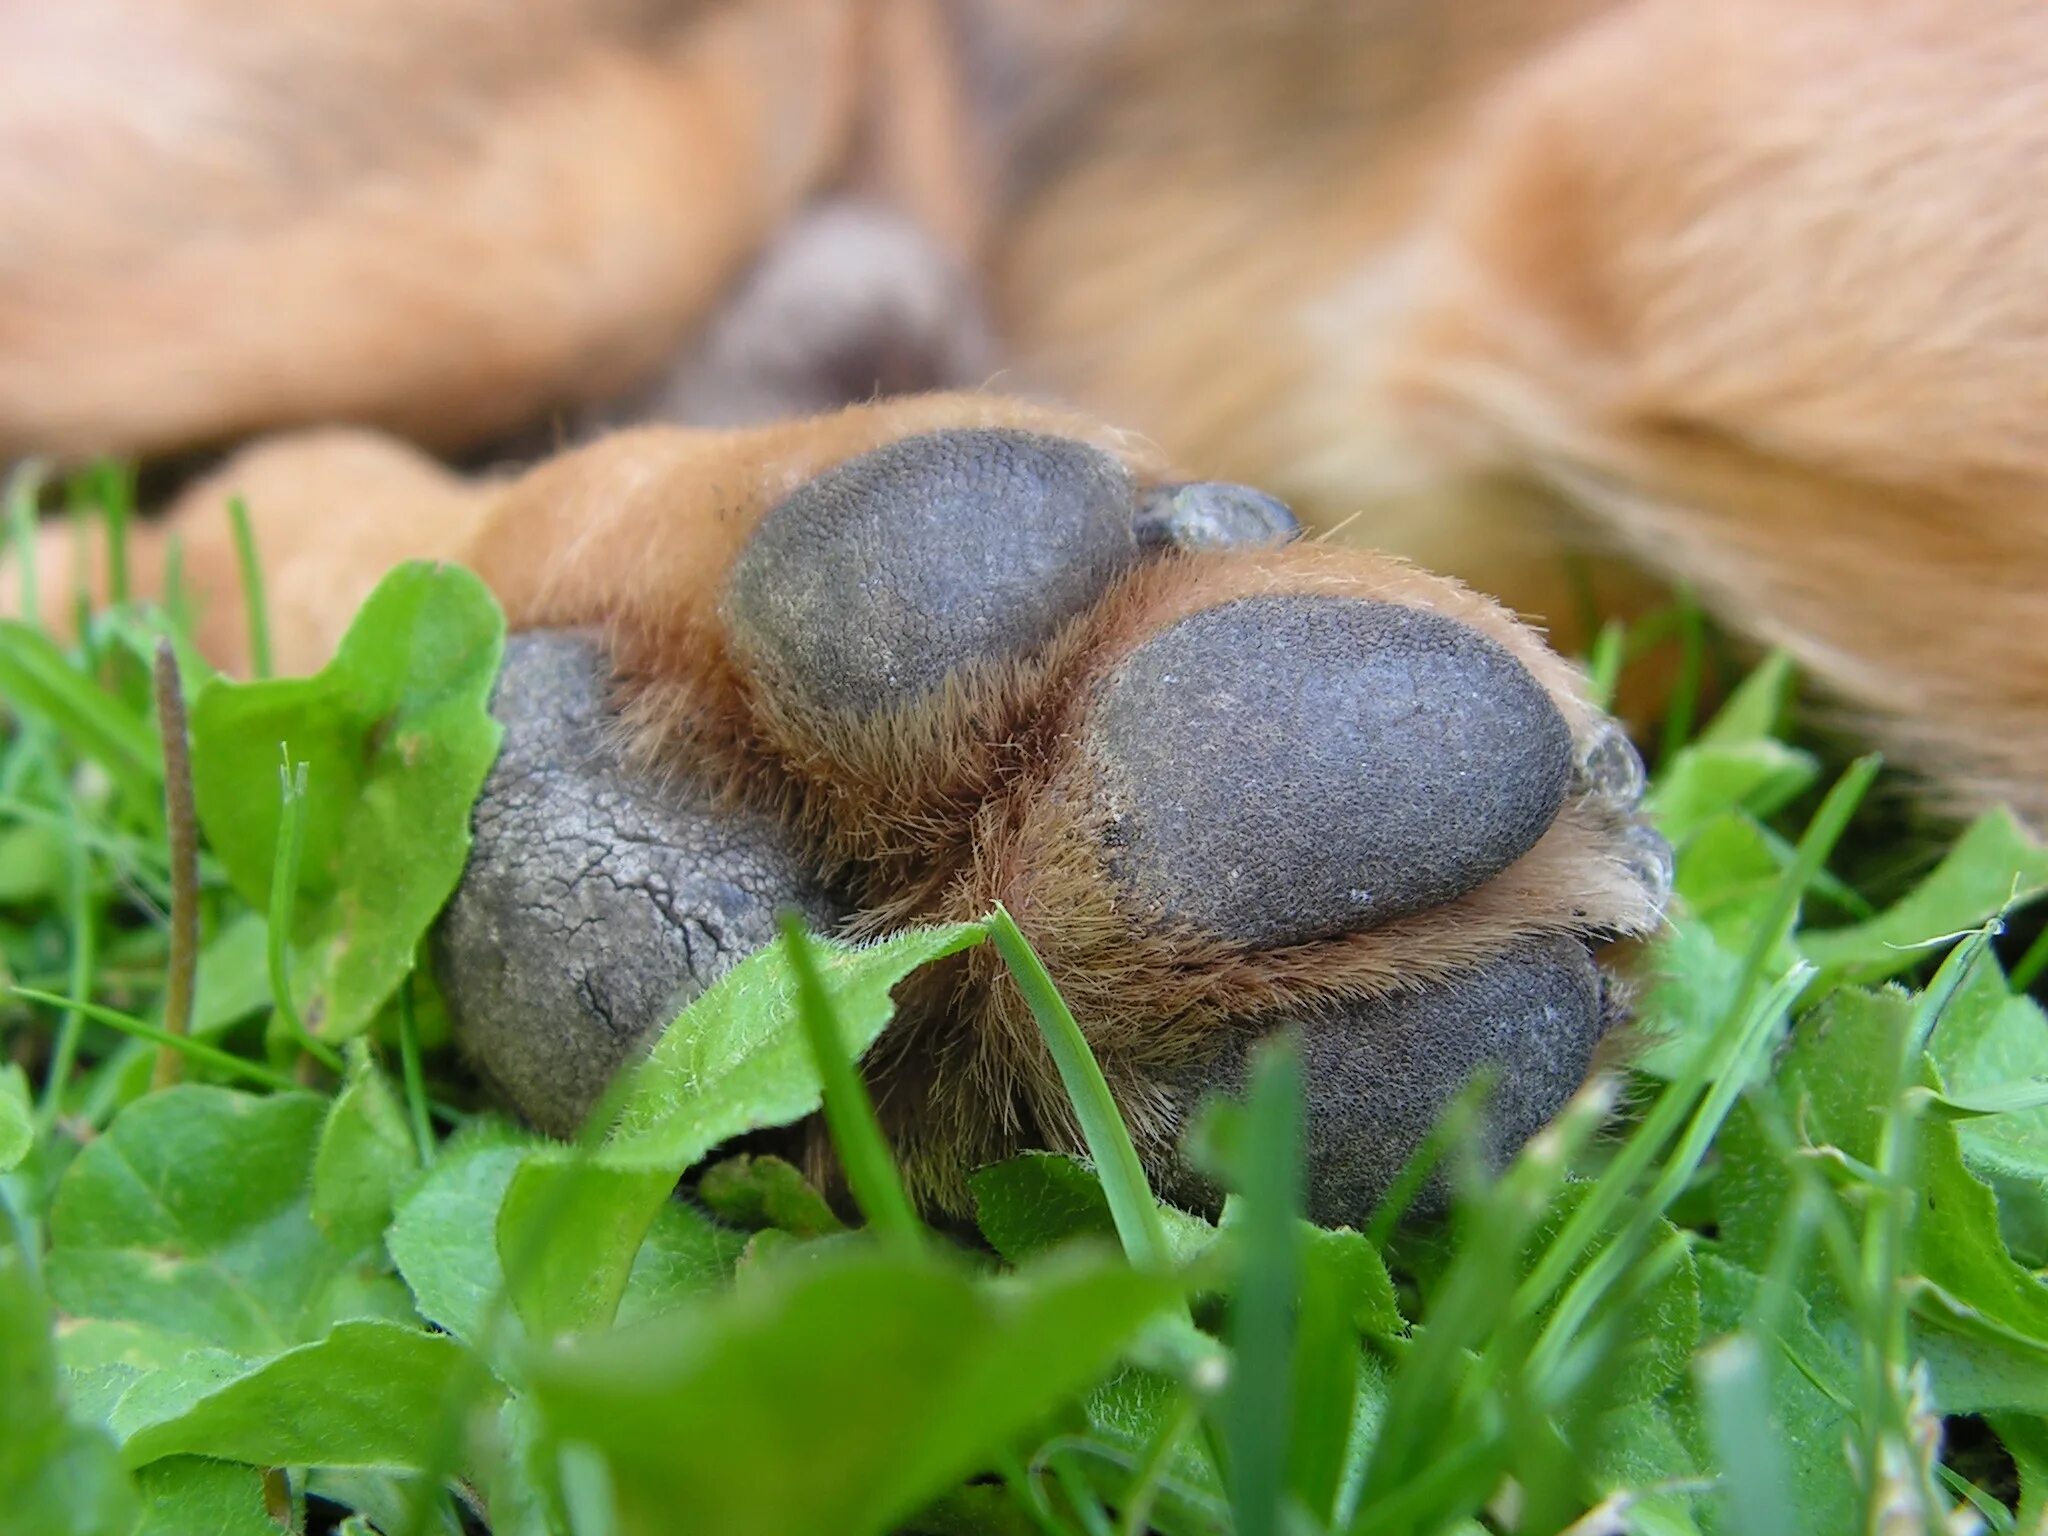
(1227, 783)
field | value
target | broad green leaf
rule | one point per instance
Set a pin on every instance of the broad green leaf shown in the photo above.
(1356, 1275)
(1982, 1317)
(1810, 1385)
(365, 1153)
(194, 1496)
(734, 1061)
(1030, 1204)
(1956, 1242)
(1131, 1408)
(753, 1190)
(2026, 1441)
(190, 1217)
(370, 1394)
(1988, 1041)
(686, 1256)
(234, 980)
(17, 1119)
(836, 1396)
(444, 1242)
(443, 1234)
(57, 1477)
(1703, 782)
(1996, 861)
(398, 738)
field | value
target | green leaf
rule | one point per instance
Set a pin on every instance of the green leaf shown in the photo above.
(443, 1235)
(735, 1061)
(2026, 1441)
(370, 1394)
(686, 1257)
(1809, 1385)
(753, 1191)
(193, 1496)
(233, 980)
(1030, 1204)
(1982, 1317)
(57, 1477)
(365, 1154)
(1989, 1041)
(32, 863)
(1756, 708)
(1995, 862)
(1705, 781)
(443, 1240)
(190, 1217)
(835, 1396)
(1357, 1277)
(17, 1118)
(398, 737)
(1130, 1411)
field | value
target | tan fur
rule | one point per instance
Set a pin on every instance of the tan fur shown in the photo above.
(1744, 292)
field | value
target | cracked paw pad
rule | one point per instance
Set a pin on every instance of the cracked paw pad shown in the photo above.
(597, 900)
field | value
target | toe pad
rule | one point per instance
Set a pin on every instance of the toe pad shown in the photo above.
(870, 585)
(1282, 769)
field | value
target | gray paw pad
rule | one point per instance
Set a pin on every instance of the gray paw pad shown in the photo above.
(596, 902)
(1379, 1075)
(1282, 769)
(870, 585)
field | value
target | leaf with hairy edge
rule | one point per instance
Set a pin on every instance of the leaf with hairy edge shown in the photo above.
(735, 1061)
(837, 1395)
(370, 1394)
(57, 1477)
(397, 735)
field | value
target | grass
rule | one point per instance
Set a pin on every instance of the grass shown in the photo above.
(1778, 1275)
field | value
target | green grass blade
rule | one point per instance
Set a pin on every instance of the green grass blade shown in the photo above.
(255, 603)
(2031, 965)
(415, 1076)
(181, 822)
(110, 488)
(849, 1111)
(198, 1050)
(35, 678)
(1753, 1039)
(1674, 1105)
(82, 922)
(1603, 663)
(1681, 707)
(1257, 1408)
(1734, 1392)
(1131, 1205)
(284, 891)
(24, 492)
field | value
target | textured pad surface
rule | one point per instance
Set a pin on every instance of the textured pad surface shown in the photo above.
(1281, 769)
(1379, 1074)
(865, 588)
(595, 902)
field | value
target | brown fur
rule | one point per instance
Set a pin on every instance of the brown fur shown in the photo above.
(1744, 292)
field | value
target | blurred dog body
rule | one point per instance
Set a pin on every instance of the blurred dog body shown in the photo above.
(1747, 294)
